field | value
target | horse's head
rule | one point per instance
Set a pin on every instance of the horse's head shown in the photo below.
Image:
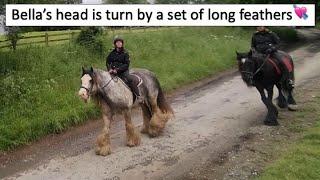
(246, 67)
(87, 87)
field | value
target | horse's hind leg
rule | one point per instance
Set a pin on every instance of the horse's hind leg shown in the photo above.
(281, 100)
(157, 121)
(292, 105)
(146, 119)
(133, 137)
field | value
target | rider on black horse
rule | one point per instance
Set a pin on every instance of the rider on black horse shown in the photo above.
(118, 62)
(267, 43)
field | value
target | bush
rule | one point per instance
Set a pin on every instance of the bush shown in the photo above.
(91, 38)
(286, 34)
(13, 35)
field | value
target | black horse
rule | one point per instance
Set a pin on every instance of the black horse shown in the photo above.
(263, 73)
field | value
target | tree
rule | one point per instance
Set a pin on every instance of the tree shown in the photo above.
(125, 1)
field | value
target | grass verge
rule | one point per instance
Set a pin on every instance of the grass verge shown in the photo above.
(301, 160)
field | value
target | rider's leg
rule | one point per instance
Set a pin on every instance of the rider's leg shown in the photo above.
(132, 82)
(286, 77)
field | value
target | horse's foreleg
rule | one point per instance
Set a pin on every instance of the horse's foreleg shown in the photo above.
(133, 137)
(281, 100)
(103, 140)
(146, 119)
(273, 109)
(268, 103)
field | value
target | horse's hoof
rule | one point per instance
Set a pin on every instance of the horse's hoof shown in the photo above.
(282, 105)
(153, 132)
(292, 107)
(134, 141)
(103, 151)
(271, 123)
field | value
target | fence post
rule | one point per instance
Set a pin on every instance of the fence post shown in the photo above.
(46, 39)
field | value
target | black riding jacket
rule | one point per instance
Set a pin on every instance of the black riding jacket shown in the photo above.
(118, 60)
(262, 41)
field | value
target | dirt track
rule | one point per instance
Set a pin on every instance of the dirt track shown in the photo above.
(209, 120)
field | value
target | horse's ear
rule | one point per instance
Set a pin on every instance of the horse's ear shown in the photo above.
(91, 69)
(83, 70)
(238, 55)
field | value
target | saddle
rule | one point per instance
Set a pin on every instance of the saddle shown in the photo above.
(284, 59)
(134, 81)
(280, 61)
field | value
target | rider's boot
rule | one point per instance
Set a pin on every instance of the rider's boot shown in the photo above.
(136, 91)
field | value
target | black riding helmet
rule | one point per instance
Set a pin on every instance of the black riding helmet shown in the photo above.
(116, 39)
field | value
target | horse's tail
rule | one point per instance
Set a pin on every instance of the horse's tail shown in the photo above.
(162, 101)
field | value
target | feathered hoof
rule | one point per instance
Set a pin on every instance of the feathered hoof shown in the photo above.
(271, 123)
(292, 107)
(103, 151)
(154, 131)
(282, 104)
(135, 140)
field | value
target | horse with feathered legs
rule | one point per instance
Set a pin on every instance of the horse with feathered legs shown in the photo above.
(113, 97)
(264, 74)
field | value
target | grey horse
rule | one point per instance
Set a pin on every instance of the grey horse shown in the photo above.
(112, 95)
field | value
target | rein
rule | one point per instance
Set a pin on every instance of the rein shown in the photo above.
(112, 78)
(259, 69)
(89, 90)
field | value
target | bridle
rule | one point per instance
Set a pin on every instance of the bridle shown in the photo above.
(252, 74)
(89, 90)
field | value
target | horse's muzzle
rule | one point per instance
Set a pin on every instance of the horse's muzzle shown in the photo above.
(83, 95)
(248, 79)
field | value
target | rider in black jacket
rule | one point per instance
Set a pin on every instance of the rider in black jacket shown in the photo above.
(267, 42)
(118, 62)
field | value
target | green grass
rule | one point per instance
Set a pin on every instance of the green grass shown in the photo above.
(39, 85)
(302, 159)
